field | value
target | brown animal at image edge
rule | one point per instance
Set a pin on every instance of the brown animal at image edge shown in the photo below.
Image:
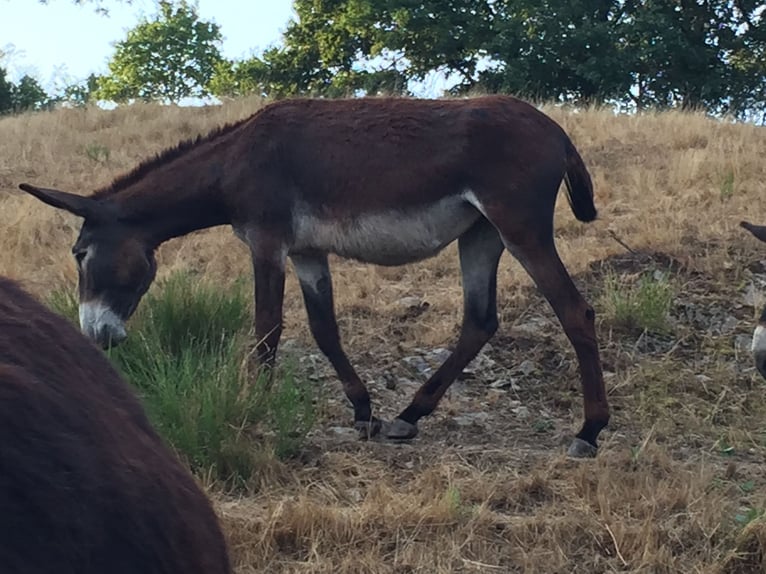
(387, 181)
(86, 484)
(758, 346)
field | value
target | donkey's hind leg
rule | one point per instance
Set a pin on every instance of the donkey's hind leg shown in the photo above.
(316, 284)
(536, 251)
(480, 249)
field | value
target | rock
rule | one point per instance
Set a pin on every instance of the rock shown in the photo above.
(438, 356)
(470, 419)
(344, 432)
(389, 381)
(419, 365)
(754, 296)
(743, 343)
(408, 302)
(526, 367)
(521, 412)
(729, 324)
(509, 384)
(480, 363)
(534, 328)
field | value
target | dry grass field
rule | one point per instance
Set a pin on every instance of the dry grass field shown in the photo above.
(679, 482)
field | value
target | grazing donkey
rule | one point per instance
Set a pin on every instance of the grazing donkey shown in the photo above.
(387, 181)
(758, 345)
(86, 485)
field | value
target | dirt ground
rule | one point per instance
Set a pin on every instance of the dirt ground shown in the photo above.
(678, 484)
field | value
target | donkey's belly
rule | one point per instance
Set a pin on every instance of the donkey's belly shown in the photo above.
(392, 237)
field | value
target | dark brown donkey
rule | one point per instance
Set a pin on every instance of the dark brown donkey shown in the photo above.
(758, 346)
(385, 181)
(86, 484)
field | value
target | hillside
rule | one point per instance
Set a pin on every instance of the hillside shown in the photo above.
(679, 483)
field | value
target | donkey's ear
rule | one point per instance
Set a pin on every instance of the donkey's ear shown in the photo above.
(77, 204)
(758, 230)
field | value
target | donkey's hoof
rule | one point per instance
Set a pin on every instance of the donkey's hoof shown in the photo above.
(401, 430)
(581, 449)
(368, 429)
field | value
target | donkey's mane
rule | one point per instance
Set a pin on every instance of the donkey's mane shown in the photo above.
(166, 156)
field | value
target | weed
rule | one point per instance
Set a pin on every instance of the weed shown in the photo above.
(97, 152)
(727, 185)
(643, 305)
(748, 515)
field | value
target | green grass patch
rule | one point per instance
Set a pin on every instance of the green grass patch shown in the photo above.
(642, 305)
(187, 356)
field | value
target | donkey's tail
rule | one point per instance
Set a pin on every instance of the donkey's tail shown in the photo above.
(579, 186)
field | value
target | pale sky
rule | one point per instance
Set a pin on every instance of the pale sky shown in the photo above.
(64, 41)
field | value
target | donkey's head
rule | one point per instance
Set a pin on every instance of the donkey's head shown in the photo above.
(115, 263)
(759, 335)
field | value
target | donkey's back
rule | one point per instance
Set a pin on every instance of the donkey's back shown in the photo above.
(86, 485)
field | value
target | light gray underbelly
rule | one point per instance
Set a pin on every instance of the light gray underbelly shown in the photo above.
(392, 237)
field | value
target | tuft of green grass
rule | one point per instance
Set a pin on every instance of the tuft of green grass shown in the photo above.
(727, 185)
(97, 152)
(187, 355)
(639, 306)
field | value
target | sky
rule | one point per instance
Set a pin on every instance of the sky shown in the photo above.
(62, 42)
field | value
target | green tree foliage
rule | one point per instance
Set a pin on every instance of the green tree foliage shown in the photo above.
(689, 53)
(28, 95)
(82, 93)
(6, 93)
(170, 57)
(232, 79)
(24, 96)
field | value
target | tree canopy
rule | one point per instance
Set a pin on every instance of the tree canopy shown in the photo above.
(170, 57)
(641, 53)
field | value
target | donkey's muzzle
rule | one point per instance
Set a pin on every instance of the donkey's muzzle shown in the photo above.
(101, 325)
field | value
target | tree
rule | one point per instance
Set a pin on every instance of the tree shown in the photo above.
(25, 96)
(688, 53)
(81, 93)
(168, 58)
(6, 93)
(232, 79)
(28, 95)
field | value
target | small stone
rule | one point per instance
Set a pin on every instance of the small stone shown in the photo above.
(345, 432)
(743, 343)
(439, 355)
(521, 412)
(509, 384)
(480, 363)
(355, 495)
(729, 324)
(408, 302)
(419, 364)
(469, 419)
(526, 367)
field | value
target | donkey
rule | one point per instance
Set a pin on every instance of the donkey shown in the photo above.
(758, 346)
(86, 484)
(386, 181)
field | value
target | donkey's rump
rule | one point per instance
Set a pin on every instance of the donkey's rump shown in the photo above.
(86, 485)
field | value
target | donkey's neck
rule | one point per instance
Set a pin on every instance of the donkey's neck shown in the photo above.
(176, 198)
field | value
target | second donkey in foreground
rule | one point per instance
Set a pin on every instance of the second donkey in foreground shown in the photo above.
(382, 180)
